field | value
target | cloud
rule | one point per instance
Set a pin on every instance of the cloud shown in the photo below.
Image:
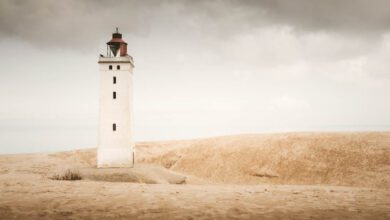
(79, 25)
(359, 16)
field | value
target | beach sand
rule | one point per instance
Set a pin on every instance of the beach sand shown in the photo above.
(254, 176)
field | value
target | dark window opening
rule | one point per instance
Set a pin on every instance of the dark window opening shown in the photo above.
(114, 127)
(110, 67)
(118, 67)
(114, 80)
(114, 95)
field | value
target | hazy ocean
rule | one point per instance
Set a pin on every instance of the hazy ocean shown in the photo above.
(31, 140)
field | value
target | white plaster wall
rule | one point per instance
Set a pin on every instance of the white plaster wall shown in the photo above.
(115, 148)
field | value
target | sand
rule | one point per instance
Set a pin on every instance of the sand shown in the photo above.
(268, 176)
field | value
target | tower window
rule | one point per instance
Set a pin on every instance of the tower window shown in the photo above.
(110, 67)
(114, 95)
(114, 80)
(118, 67)
(114, 127)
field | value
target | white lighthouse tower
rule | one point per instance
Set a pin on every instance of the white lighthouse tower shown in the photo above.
(115, 144)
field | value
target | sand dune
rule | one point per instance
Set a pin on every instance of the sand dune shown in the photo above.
(346, 159)
(270, 176)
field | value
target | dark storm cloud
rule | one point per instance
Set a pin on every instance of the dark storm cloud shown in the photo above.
(76, 24)
(335, 15)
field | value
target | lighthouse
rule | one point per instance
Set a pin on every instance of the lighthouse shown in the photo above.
(115, 141)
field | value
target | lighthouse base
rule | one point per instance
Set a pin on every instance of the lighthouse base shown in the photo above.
(115, 157)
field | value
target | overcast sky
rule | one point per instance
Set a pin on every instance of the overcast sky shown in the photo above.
(202, 68)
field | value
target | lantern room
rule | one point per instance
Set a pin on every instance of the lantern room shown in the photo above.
(116, 47)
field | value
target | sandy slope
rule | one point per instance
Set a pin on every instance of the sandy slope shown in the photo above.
(347, 159)
(274, 176)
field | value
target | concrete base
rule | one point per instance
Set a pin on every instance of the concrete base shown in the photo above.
(115, 157)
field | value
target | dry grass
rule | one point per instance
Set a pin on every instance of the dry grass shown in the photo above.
(68, 175)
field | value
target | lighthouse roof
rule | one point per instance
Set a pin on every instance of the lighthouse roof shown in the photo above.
(116, 40)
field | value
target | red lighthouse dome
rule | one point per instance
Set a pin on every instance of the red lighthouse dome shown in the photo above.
(117, 45)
